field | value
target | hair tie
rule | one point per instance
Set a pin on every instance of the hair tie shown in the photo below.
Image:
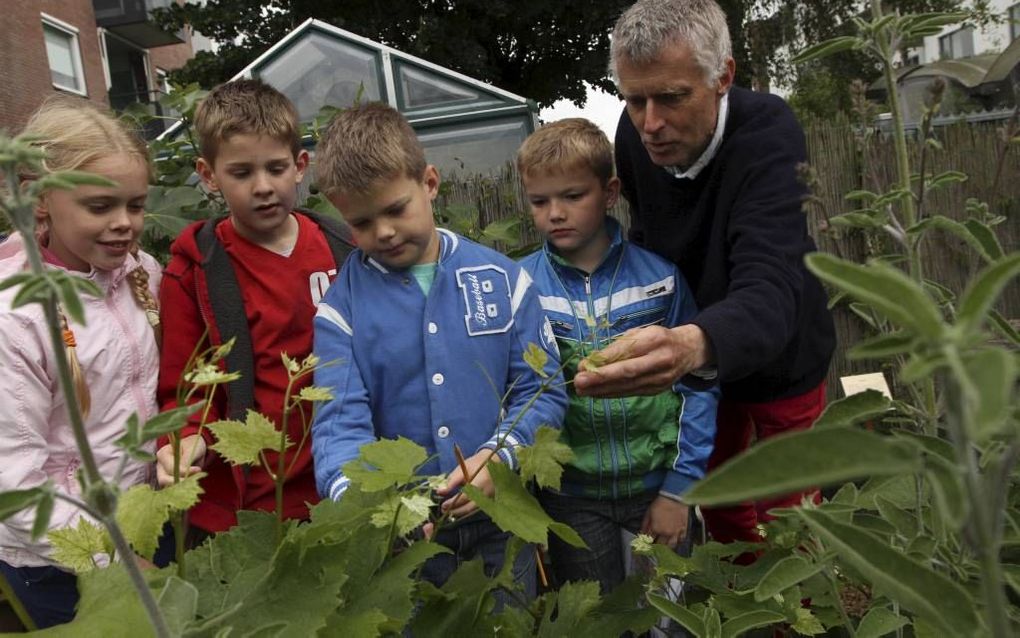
(69, 338)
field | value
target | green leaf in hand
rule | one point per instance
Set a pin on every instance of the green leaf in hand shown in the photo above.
(385, 463)
(240, 443)
(76, 547)
(142, 511)
(543, 460)
(536, 358)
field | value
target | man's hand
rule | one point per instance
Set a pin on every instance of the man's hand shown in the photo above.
(460, 505)
(193, 451)
(666, 521)
(645, 361)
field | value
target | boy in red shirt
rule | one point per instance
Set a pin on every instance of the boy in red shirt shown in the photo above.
(256, 275)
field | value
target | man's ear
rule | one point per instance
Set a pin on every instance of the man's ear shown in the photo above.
(301, 162)
(612, 191)
(726, 79)
(205, 171)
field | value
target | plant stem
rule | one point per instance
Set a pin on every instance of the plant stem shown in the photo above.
(984, 536)
(138, 580)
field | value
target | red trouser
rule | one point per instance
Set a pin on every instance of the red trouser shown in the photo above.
(733, 435)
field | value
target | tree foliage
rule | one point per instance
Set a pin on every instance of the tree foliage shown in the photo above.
(542, 50)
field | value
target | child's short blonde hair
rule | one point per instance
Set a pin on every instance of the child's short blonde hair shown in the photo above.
(245, 107)
(364, 144)
(566, 145)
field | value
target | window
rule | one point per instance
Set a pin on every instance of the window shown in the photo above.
(958, 44)
(63, 54)
(1014, 22)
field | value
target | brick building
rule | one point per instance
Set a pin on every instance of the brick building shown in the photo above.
(108, 51)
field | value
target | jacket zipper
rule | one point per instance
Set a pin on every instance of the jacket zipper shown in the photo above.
(606, 403)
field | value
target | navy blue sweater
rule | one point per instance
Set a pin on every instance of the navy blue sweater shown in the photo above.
(739, 236)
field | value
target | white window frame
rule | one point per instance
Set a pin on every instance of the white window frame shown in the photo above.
(951, 38)
(72, 32)
(1013, 16)
(103, 35)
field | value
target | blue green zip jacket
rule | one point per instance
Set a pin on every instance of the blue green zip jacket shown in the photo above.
(431, 368)
(628, 446)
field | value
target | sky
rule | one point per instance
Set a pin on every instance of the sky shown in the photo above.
(602, 108)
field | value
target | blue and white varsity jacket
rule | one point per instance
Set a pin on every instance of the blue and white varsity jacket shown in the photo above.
(431, 369)
(624, 447)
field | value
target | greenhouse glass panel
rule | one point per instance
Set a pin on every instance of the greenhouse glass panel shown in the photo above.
(482, 147)
(319, 70)
(425, 89)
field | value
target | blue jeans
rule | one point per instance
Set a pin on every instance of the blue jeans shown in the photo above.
(599, 523)
(478, 537)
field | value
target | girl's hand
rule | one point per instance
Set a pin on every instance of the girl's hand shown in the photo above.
(460, 505)
(193, 451)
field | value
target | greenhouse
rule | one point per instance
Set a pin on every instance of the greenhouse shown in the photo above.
(465, 125)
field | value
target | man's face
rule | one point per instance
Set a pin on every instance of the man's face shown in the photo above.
(671, 105)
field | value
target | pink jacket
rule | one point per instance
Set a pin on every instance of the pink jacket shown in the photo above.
(120, 360)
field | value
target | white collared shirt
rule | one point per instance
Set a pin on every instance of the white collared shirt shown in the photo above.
(713, 146)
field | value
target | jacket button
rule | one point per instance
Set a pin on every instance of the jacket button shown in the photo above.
(438, 379)
(443, 432)
(433, 328)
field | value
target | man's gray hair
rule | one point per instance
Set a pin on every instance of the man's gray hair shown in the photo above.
(649, 26)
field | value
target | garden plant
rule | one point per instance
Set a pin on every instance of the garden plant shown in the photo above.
(920, 535)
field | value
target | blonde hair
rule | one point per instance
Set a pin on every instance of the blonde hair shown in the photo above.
(566, 145)
(245, 107)
(75, 133)
(364, 144)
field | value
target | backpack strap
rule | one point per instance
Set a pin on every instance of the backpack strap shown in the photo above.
(337, 233)
(230, 318)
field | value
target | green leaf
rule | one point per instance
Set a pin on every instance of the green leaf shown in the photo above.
(514, 509)
(16, 500)
(905, 522)
(76, 547)
(822, 457)
(921, 366)
(313, 393)
(385, 463)
(854, 409)
(972, 234)
(1003, 327)
(786, 573)
(879, 622)
(43, 512)
(142, 511)
(859, 219)
(865, 196)
(993, 374)
(543, 460)
(167, 422)
(410, 512)
(983, 291)
(886, 289)
(743, 623)
(178, 601)
(240, 443)
(917, 588)
(807, 624)
(882, 346)
(574, 602)
(687, 619)
(506, 230)
(829, 47)
(536, 358)
(986, 237)
(946, 177)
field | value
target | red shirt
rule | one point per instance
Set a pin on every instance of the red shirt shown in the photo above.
(280, 296)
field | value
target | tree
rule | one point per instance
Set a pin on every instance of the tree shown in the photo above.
(541, 50)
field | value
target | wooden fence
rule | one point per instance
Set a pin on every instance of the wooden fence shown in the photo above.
(843, 159)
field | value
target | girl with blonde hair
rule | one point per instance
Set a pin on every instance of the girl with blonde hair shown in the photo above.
(92, 232)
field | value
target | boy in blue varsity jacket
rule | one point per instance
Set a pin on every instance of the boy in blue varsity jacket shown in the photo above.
(418, 319)
(634, 457)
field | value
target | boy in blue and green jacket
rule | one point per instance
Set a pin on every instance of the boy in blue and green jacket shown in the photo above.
(634, 457)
